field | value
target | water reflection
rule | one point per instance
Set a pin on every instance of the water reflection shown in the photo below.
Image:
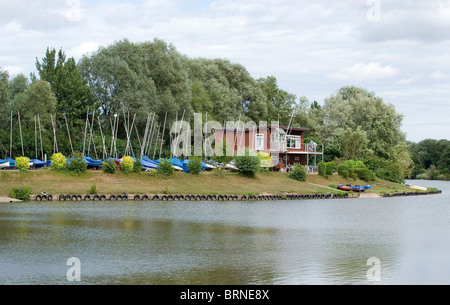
(279, 242)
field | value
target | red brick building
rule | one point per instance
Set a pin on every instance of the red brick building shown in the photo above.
(286, 144)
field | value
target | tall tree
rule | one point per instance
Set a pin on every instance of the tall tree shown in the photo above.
(71, 91)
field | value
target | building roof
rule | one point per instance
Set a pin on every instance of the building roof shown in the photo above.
(282, 128)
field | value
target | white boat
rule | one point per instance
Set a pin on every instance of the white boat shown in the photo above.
(4, 165)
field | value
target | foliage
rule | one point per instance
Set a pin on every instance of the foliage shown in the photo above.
(248, 165)
(341, 168)
(71, 91)
(22, 163)
(345, 174)
(322, 169)
(21, 193)
(58, 161)
(194, 166)
(364, 174)
(137, 166)
(354, 164)
(298, 173)
(165, 167)
(77, 164)
(92, 190)
(332, 185)
(109, 166)
(127, 165)
(329, 168)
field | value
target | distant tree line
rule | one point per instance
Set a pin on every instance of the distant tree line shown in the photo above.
(153, 77)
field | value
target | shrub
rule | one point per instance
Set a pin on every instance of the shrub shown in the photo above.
(21, 193)
(22, 163)
(299, 173)
(92, 190)
(364, 174)
(341, 168)
(165, 167)
(345, 174)
(322, 169)
(248, 165)
(354, 176)
(77, 164)
(329, 168)
(127, 165)
(194, 166)
(109, 166)
(58, 161)
(355, 164)
(332, 185)
(137, 166)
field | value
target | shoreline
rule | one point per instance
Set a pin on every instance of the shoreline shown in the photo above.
(214, 197)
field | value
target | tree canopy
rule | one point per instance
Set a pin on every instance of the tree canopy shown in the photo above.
(152, 77)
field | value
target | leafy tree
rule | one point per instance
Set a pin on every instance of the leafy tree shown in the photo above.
(4, 96)
(71, 91)
(444, 161)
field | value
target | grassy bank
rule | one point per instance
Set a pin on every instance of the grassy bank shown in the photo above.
(54, 182)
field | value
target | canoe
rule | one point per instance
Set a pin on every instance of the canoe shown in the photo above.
(354, 188)
(344, 188)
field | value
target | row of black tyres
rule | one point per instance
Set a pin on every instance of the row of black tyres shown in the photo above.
(120, 197)
(403, 194)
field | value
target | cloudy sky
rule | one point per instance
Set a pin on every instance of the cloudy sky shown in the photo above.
(398, 49)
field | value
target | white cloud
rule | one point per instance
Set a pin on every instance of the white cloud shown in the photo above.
(373, 70)
(312, 47)
(407, 81)
(437, 75)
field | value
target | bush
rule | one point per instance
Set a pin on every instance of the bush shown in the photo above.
(58, 161)
(345, 174)
(21, 193)
(165, 167)
(354, 176)
(22, 163)
(77, 164)
(194, 166)
(137, 166)
(247, 165)
(109, 166)
(364, 174)
(329, 168)
(127, 165)
(341, 168)
(92, 190)
(355, 164)
(322, 169)
(332, 185)
(299, 173)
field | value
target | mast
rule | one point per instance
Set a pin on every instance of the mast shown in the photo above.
(68, 133)
(21, 139)
(162, 138)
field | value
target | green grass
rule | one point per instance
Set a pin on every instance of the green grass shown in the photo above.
(54, 182)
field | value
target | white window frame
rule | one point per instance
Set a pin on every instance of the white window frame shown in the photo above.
(297, 142)
(261, 146)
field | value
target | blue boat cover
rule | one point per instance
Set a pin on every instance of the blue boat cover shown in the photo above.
(37, 163)
(12, 162)
(176, 162)
(92, 162)
(186, 162)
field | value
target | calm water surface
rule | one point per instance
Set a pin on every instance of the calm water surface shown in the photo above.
(270, 242)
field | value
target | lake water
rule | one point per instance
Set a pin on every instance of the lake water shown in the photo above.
(269, 242)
